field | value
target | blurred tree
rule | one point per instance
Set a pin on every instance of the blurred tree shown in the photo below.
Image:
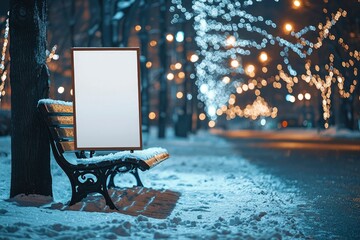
(320, 49)
(106, 8)
(144, 41)
(30, 152)
(163, 101)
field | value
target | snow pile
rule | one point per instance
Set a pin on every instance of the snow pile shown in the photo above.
(203, 191)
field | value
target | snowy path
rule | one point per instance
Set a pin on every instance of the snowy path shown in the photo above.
(222, 196)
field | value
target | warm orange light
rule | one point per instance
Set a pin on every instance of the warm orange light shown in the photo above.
(170, 76)
(288, 27)
(250, 70)
(137, 28)
(284, 124)
(300, 96)
(181, 74)
(226, 80)
(152, 115)
(153, 43)
(194, 58)
(170, 37)
(211, 124)
(61, 90)
(230, 40)
(296, 3)
(149, 64)
(179, 95)
(234, 63)
(202, 116)
(263, 57)
(178, 65)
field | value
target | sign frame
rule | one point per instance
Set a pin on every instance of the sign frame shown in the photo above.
(107, 110)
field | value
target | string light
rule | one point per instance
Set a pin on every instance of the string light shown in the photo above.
(217, 26)
(259, 108)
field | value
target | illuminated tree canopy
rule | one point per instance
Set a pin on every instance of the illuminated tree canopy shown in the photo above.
(227, 31)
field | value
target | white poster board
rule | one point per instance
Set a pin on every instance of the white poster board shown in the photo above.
(106, 83)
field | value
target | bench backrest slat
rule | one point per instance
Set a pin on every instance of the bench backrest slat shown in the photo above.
(58, 108)
(65, 133)
(60, 121)
(68, 146)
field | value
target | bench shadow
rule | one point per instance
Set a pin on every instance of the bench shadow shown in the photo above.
(131, 201)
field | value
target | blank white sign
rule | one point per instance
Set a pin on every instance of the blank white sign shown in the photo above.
(106, 98)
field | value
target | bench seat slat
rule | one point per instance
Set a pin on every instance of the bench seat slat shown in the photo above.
(151, 162)
(147, 158)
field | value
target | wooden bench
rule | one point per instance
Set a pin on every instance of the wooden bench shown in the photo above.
(94, 174)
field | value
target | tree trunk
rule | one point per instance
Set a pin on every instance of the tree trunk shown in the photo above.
(106, 23)
(144, 41)
(128, 23)
(30, 152)
(163, 101)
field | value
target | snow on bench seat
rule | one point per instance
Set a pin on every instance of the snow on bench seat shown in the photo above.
(151, 156)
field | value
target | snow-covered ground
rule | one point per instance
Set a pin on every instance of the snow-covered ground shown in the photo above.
(204, 191)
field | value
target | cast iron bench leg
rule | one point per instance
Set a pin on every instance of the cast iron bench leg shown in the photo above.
(135, 173)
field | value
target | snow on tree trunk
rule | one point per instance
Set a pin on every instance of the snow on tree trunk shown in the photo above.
(30, 163)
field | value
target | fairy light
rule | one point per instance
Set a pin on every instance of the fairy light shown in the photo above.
(259, 108)
(152, 115)
(148, 64)
(263, 57)
(217, 37)
(202, 116)
(137, 28)
(296, 3)
(170, 76)
(170, 37)
(288, 27)
(221, 49)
